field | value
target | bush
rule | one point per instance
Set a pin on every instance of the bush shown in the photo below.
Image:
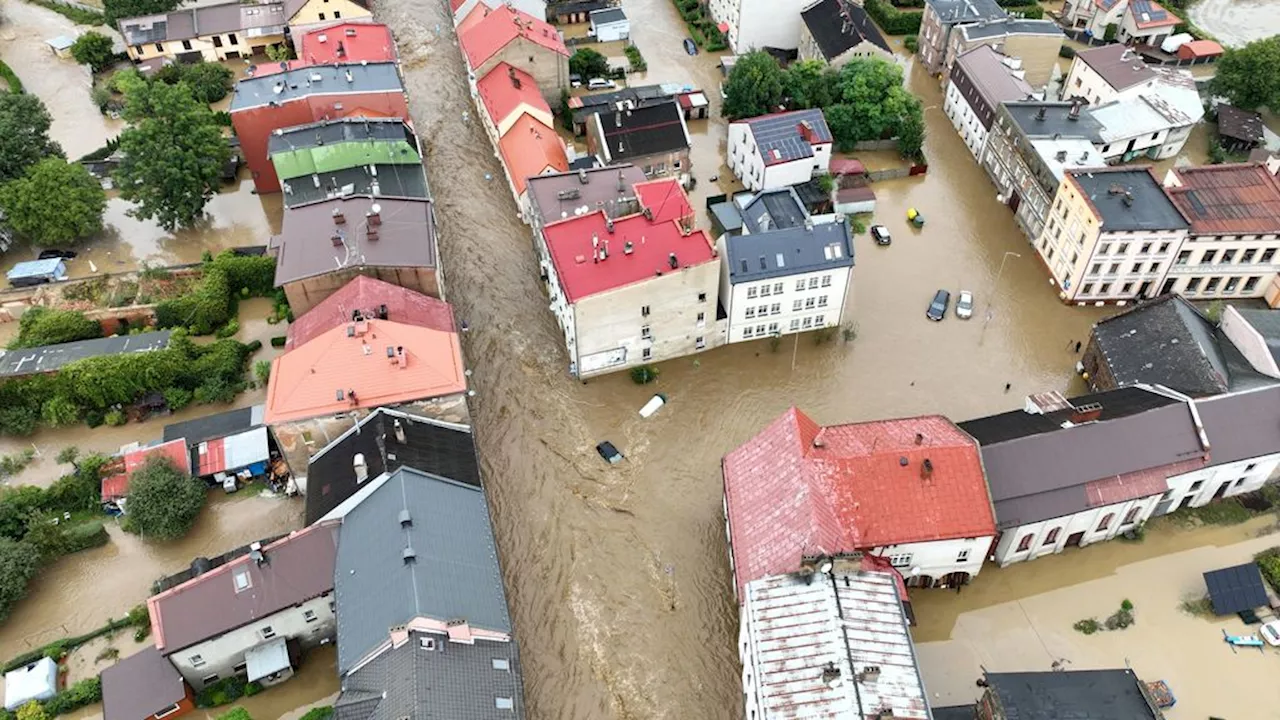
(1030, 12)
(222, 692)
(50, 326)
(588, 63)
(262, 370)
(93, 49)
(644, 374)
(321, 713)
(1269, 564)
(236, 713)
(209, 82)
(1066, 51)
(177, 398)
(18, 564)
(73, 13)
(203, 310)
(84, 536)
(635, 59)
(163, 501)
(230, 329)
(13, 464)
(891, 20)
(911, 43)
(10, 78)
(1109, 33)
(115, 417)
(279, 341)
(253, 347)
(83, 693)
(1088, 626)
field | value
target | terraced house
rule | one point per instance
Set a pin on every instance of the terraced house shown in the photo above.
(224, 31)
(379, 157)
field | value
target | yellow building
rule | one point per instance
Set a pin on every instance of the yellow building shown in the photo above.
(310, 12)
(212, 32)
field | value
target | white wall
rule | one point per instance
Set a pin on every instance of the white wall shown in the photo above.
(1045, 542)
(613, 32)
(757, 24)
(747, 163)
(965, 120)
(1250, 342)
(937, 558)
(1083, 81)
(221, 654)
(1202, 263)
(821, 306)
(1198, 487)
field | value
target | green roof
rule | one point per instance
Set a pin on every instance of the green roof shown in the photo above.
(343, 155)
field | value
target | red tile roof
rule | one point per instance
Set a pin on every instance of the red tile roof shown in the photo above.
(666, 200)
(348, 43)
(798, 488)
(1157, 15)
(116, 486)
(483, 35)
(531, 148)
(1228, 199)
(505, 89)
(1199, 49)
(570, 244)
(367, 294)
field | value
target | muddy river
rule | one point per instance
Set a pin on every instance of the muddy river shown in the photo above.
(1237, 22)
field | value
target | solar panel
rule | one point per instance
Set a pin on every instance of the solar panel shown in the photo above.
(779, 136)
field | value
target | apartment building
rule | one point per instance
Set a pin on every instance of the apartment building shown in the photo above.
(837, 31)
(1100, 74)
(980, 81)
(462, 8)
(1137, 22)
(654, 138)
(759, 24)
(1151, 121)
(304, 13)
(781, 149)
(1034, 42)
(224, 31)
(506, 93)
(559, 196)
(489, 36)
(379, 157)
(1234, 235)
(1112, 236)
(941, 18)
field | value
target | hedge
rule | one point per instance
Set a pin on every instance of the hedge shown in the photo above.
(212, 303)
(78, 15)
(891, 20)
(137, 617)
(84, 692)
(10, 78)
(1269, 564)
(85, 536)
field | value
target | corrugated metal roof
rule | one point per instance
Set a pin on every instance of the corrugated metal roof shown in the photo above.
(233, 452)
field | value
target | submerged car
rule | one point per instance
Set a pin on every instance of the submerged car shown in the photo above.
(938, 308)
(609, 452)
(690, 46)
(1271, 633)
(964, 305)
(880, 234)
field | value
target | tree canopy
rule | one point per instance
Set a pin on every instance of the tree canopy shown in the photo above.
(120, 9)
(93, 49)
(173, 153)
(54, 203)
(754, 86)
(209, 82)
(18, 564)
(589, 64)
(235, 713)
(51, 326)
(163, 502)
(1250, 76)
(24, 134)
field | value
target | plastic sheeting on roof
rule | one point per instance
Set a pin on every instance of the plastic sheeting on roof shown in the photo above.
(37, 681)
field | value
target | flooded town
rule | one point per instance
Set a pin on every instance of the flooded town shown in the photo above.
(1009, 448)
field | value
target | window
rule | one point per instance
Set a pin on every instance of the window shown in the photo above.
(644, 309)
(819, 319)
(699, 343)
(751, 293)
(1146, 248)
(1137, 268)
(267, 632)
(702, 297)
(197, 661)
(208, 679)
(1153, 267)
(751, 312)
(309, 615)
(826, 281)
(186, 44)
(217, 41)
(1228, 256)
(1052, 537)
(1087, 289)
(1105, 288)
(1106, 521)
(1124, 249)
(822, 301)
(773, 328)
(646, 353)
(1025, 543)
(242, 579)
(1208, 257)
(1266, 256)
(168, 711)
(1193, 284)
(1115, 268)
(1183, 257)
(808, 323)
(764, 290)
(795, 324)
(1132, 516)
(775, 309)
(813, 283)
(702, 319)
(1247, 256)
(799, 285)
(797, 305)
(1250, 284)
(1212, 285)
(747, 332)
(1097, 268)
(1249, 468)
(760, 330)
(159, 47)
(322, 16)
(231, 38)
(1232, 284)
(777, 288)
(1197, 485)
(809, 303)
(1164, 248)
(901, 560)
(962, 556)
(645, 334)
(1105, 249)
(1127, 288)
(240, 668)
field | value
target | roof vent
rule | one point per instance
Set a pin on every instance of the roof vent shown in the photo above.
(926, 469)
(1040, 113)
(406, 520)
(361, 467)
(919, 438)
(831, 675)
(1086, 413)
(583, 178)
(570, 194)
(673, 261)
(870, 673)
(409, 555)
(399, 430)
(628, 248)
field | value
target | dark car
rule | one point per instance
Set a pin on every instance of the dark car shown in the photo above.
(880, 234)
(609, 452)
(61, 254)
(690, 46)
(938, 308)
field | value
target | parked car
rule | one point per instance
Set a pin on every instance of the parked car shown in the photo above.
(964, 305)
(601, 84)
(880, 234)
(60, 254)
(690, 46)
(938, 308)
(575, 80)
(1271, 633)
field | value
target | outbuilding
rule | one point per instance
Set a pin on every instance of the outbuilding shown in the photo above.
(32, 682)
(1198, 51)
(610, 25)
(37, 272)
(61, 45)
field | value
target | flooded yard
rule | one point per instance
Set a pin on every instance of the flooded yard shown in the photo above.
(1237, 22)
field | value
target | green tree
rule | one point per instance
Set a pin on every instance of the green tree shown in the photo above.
(51, 326)
(872, 104)
(173, 154)
(163, 502)
(911, 136)
(120, 9)
(46, 536)
(93, 49)
(754, 87)
(810, 84)
(588, 64)
(279, 52)
(32, 711)
(24, 134)
(54, 203)
(18, 564)
(235, 713)
(209, 82)
(1248, 76)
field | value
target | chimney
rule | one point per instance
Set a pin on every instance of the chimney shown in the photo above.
(919, 438)
(830, 675)
(672, 261)
(350, 79)
(1074, 113)
(399, 430)
(401, 358)
(617, 119)
(337, 239)
(361, 467)
(515, 81)
(255, 552)
(374, 216)
(1040, 113)
(926, 469)
(628, 248)
(371, 234)
(870, 673)
(583, 178)
(1086, 413)
(806, 130)
(1127, 199)
(351, 397)
(338, 217)
(1061, 156)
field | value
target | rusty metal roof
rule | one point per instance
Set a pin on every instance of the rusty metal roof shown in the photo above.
(1228, 199)
(797, 635)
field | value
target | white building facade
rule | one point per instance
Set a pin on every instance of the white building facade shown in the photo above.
(760, 24)
(1050, 537)
(610, 25)
(931, 563)
(775, 151)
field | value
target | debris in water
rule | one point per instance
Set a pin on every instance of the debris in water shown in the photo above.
(652, 406)
(488, 176)
(609, 452)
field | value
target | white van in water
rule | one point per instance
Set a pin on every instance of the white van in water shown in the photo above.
(600, 84)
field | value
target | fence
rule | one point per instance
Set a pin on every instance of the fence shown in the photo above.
(896, 173)
(868, 145)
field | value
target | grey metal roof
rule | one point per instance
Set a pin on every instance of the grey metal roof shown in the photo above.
(1146, 207)
(48, 358)
(407, 237)
(294, 84)
(608, 15)
(1056, 121)
(774, 210)
(992, 79)
(140, 685)
(451, 681)
(1118, 65)
(383, 181)
(455, 574)
(202, 21)
(1076, 694)
(789, 251)
(212, 427)
(1163, 342)
(561, 195)
(778, 135)
(1267, 324)
(838, 26)
(1241, 425)
(1010, 26)
(330, 132)
(951, 12)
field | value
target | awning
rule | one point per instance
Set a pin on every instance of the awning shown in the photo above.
(1235, 588)
(267, 659)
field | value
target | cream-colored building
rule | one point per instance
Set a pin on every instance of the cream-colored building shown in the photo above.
(211, 33)
(1111, 236)
(837, 31)
(1034, 42)
(302, 13)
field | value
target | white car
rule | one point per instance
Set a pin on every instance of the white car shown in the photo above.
(964, 305)
(1271, 633)
(601, 84)
(880, 234)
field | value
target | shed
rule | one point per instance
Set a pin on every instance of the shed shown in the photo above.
(855, 200)
(847, 166)
(610, 25)
(1199, 50)
(694, 104)
(36, 681)
(1235, 589)
(1239, 130)
(61, 45)
(36, 272)
(116, 485)
(245, 450)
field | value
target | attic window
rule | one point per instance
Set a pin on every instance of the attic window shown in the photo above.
(504, 703)
(242, 579)
(427, 643)
(501, 664)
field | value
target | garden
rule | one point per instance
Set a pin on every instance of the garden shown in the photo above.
(702, 28)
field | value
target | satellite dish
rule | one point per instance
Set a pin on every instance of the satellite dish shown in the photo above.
(825, 567)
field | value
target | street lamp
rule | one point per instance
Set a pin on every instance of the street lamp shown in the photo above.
(995, 286)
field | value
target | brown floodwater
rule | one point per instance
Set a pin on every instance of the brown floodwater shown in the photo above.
(1237, 22)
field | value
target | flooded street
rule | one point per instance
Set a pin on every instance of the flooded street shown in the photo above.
(1237, 22)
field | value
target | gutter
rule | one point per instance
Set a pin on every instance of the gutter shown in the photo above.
(1195, 414)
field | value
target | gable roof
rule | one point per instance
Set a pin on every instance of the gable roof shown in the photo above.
(291, 7)
(356, 365)
(787, 136)
(1163, 342)
(789, 251)
(1010, 26)
(482, 35)
(202, 21)
(642, 131)
(116, 486)
(994, 81)
(300, 83)
(1118, 65)
(1081, 694)
(304, 248)
(838, 26)
(369, 296)
(1238, 198)
(1239, 124)
(50, 358)
(453, 574)
(140, 686)
(299, 568)
(350, 42)
(1150, 14)
(211, 427)
(798, 488)
(531, 148)
(505, 89)
(1241, 425)
(951, 12)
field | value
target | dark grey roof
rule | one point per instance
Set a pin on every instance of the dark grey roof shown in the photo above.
(779, 138)
(1163, 342)
(839, 26)
(1235, 589)
(1243, 376)
(330, 132)
(1077, 694)
(452, 681)
(951, 12)
(384, 181)
(1011, 26)
(774, 210)
(728, 216)
(295, 84)
(1267, 324)
(608, 15)
(201, 21)
(789, 251)
(454, 575)
(1239, 124)
(611, 189)
(638, 96)
(406, 237)
(1038, 466)
(1149, 209)
(954, 712)
(1118, 65)
(642, 131)
(1242, 425)
(212, 427)
(1057, 120)
(49, 358)
(140, 686)
(432, 446)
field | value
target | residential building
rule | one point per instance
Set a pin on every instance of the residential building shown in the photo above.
(555, 197)
(1112, 236)
(505, 94)
(402, 251)
(368, 298)
(785, 271)
(379, 157)
(116, 472)
(569, 12)
(584, 107)
(654, 138)
(211, 32)
(759, 24)
(1034, 42)
(1256, 334)
(346, 42)
(774, 151)
(1029, 147)
(609, 25)
(253, 615)
(800, 489)
(1199, 51)
(423, 622)
(1101, 74)
(1138, 22)
(144, 686)
(505, 34)
(51, 358)
(836, 31)
(1238, 130)
(1234, 234)
(302, 14)
(529, 149)
(941, 18)
(262, 105)
(1069, 473)
(534, 8)
(980, 80)
(634, 289)
(1153, 120)
(829, 645)
(1094, 694)
(212, 427)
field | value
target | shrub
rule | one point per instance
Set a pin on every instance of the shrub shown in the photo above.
(1088, 626)
(891, 20)
(15, 463)
(115, 417)
(635, 59)
(74, 13)
(206, 308)
(1269, 564)
(911, 43)
(177, 398)
(644, 374)
(253, 347)
(93, 49)
(230, 329)
(10, 78)
(279, 341)
(1109, 34)
(236, 713)
(18, 564)
(83, 693)
(84, 536)
(324, 712)
(1066, 51)
(163, 501)
(222, 692)
(50, 326)
(262, 370)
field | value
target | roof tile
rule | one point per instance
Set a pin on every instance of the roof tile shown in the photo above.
(486, 31)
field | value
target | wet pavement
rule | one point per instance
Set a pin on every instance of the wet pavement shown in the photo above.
(1237, 22)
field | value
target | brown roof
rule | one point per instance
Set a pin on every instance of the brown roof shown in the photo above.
(1239, 124)
(140, 686)
(606, 188)
(1120, 66)
(991, 77)
(297, 568)
(1228, 199)
(369, 295)
(306, 248)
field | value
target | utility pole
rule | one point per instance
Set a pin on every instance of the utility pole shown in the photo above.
(795, 350)
(995, 287)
